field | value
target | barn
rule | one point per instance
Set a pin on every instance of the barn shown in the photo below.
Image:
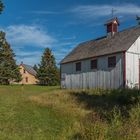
(108, 62)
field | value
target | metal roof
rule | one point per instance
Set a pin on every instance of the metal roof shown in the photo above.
(29, 69)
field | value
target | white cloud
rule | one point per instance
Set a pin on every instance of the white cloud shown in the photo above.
(44, 12)
(22, 54)
(21, 37)
(27, 35)
(94, 11)
(29, 60)
(27, 56)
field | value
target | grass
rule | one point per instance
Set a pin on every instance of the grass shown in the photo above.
(49, 113)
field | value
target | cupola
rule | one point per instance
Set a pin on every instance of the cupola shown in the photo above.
(112, 26)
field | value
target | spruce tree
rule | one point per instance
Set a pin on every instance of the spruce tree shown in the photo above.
(35, 67)
(1, 6)
(9, 71)
(47, 72)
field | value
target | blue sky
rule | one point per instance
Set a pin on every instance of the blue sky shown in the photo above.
(32, 25)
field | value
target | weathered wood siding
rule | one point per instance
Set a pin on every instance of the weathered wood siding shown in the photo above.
(132, 65)
(103, 77)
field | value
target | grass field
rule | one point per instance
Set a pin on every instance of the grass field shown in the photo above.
(48, 113)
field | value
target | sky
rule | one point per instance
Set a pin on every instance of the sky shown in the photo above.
(33, 25)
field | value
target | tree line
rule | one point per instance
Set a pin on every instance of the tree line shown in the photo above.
(47, 71)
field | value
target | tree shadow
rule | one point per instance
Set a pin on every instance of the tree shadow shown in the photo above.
(105, 101)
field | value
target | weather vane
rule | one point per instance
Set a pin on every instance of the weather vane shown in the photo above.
(112, 12)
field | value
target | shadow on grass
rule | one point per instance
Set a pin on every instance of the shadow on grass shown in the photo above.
(104, 101)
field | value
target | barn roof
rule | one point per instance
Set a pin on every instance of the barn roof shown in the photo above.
(29, 69)
(120, 42)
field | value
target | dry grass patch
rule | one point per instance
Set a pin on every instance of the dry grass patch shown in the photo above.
(96, 114)
(60, 100)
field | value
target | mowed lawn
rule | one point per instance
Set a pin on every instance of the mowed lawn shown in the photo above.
(49, 113)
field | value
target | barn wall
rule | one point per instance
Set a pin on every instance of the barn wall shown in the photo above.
(132, 65)
(104, 77)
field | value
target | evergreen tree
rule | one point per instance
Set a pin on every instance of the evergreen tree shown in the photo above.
(9, 71)
(35, 67)
(1, 6)
(47, 72)
(138, 19)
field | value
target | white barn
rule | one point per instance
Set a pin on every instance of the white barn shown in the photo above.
(109, 62)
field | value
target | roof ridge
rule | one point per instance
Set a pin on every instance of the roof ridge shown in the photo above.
(96, 39)
(29, 68)
(27, 65)
(104, 45)
(105, 36)
(130, 28)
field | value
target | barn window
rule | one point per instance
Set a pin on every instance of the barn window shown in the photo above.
(78, 66)
(111, 61)
(26, 79)
(93, 64)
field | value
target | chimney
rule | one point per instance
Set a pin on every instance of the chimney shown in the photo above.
(112, 26)
(21, 63)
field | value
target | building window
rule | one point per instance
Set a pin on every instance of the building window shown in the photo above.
(112, 61)
(78, 66)
(26, 79)
(24, 71)
(93, 64)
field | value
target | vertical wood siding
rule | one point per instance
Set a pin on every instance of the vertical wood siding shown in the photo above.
(103, 77)
(132, 65)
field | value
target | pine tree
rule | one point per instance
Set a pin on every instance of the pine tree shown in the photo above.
(9, 71)
(1, 6)
(47, 73)
(35, 67)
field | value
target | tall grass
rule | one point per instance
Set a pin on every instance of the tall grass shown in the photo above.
(49, 113)
(114, 115)
(97, 114)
